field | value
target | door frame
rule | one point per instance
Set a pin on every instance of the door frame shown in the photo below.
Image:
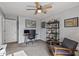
(4, 29)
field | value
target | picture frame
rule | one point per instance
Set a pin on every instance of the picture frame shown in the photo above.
(43, 24)
(30, 23)
(71, 22)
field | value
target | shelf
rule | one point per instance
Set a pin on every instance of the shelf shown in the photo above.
(52, 33)
(52, 30)
(53, 22)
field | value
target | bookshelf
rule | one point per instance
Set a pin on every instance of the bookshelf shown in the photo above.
(52, 31)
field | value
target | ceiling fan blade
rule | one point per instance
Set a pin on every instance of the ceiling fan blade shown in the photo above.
(30, 9)
(49, 5)
(44, 11)
(31, 6)
(37, 5)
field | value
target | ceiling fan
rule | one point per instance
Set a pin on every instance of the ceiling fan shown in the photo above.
(41, 9)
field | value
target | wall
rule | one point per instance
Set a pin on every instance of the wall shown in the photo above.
(0, 30)
(21, 28)
(69, 32)
(39, 31)
(42, 31)
(1, 27)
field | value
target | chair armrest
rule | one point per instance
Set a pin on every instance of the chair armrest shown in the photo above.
(60, 48)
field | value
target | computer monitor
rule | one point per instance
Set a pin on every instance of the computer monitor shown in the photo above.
(26, 31)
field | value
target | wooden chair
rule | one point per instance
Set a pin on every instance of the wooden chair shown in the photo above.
(62, 51)
(67, 48)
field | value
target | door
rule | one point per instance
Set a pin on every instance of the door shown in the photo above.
(10, 32)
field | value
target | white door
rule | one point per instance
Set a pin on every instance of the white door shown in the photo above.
(10, 32)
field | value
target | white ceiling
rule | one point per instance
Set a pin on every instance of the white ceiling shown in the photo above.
(19, 8)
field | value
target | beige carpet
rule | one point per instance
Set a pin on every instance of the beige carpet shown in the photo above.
(38, 48)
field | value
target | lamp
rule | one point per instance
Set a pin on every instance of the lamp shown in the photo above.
(39, 11)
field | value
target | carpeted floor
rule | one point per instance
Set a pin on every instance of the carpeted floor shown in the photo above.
(38, 48)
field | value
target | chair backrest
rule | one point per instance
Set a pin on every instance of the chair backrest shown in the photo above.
(69, 43)
(32, 34)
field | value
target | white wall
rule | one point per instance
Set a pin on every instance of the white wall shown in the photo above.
(21, 29)
(0, 30)
(1, 24)
(39, 31)
(69, 32)
(42, 31)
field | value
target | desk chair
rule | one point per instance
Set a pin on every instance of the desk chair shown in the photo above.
(32, 35)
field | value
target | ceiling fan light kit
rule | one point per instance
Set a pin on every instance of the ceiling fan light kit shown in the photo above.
(39, 11)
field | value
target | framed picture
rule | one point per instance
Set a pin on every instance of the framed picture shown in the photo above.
(43, 24)
(71, 22)
(30, 23)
